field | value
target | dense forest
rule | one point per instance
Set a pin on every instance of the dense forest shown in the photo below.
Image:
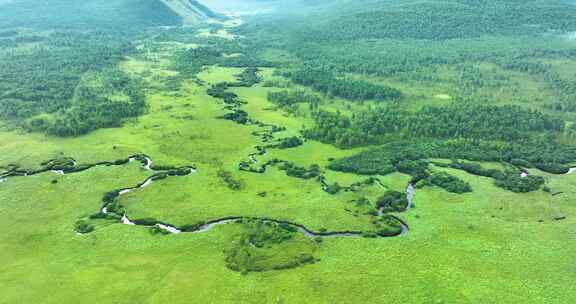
(289, 100)
(504, 123)
(543, 153)
(438, 20)
(66, 84)
(325, 81)
(418, 43)
(101, 100)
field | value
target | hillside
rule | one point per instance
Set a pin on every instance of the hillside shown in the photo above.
(94, 14)
(440, 20)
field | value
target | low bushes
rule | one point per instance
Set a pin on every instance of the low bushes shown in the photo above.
(387, 226)
(515, 183)
(109, 197)
(477, 169)
(392, 201)
(83, 227)
(162, 167)
(300, 172)
(145, 221)
(155, 230)
(448, 182)
(179, 172)
(265, 246)
(290, 142)
(248, 78)
(191, 227)
(333, 188)
(229, 180)
(238, 116)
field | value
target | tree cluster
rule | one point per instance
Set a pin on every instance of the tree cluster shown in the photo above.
(326, 82)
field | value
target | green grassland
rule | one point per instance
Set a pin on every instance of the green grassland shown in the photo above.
(460, 249)
(486, 246)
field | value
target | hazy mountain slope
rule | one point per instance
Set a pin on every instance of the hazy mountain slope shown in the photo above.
(253, 7)
(94, 14)
(191, 11)
(347, 20)
(439, 20)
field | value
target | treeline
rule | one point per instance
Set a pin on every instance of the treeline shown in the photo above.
(412, 160)
(503, 123)
(326, 82)
(542, 152)
(510, 123)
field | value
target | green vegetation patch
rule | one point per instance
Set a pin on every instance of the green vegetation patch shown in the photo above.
(264, 246)
(382, 160)
(447, 182)
(392, 201)
(516, 183)
(505, 123)
(326, 82)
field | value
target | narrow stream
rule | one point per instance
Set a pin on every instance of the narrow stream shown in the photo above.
(170, 229)
(410, 190)
(410, 195)
(75, 168)
(148, 163)
(301, 228)
(127, 221)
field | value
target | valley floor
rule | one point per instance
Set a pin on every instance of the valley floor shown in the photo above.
(472, 248)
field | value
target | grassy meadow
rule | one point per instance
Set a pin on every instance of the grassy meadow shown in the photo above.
(472, 248)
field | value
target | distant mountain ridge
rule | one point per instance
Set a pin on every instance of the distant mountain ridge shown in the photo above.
(108, 14)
